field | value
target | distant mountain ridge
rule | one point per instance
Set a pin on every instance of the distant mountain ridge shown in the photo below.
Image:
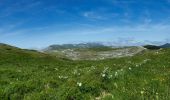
(167, 45)
(154, 47)
(72, 46)
(96, 45)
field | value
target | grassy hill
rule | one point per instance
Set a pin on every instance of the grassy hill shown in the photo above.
(30, 75)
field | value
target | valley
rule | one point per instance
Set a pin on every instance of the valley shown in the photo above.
(96, 53)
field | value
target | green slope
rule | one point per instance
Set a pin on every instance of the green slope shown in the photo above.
(30, 75)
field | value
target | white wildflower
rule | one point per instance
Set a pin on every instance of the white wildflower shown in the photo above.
(130, 68)
(137, 65)
(103, 75)
(142, 92)
(79, 84)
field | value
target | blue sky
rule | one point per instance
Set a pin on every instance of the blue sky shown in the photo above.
(39, 23)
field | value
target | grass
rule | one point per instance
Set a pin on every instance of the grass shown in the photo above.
(29, 75)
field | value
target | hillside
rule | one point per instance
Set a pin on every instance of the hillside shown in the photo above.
(30, 75)
(91, 51)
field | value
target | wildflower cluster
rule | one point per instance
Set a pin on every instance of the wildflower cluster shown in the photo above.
(106, 74)
(76, 72)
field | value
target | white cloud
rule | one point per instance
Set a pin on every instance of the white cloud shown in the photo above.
(92, 15)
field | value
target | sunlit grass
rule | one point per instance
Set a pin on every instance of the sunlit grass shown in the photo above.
(30, 75)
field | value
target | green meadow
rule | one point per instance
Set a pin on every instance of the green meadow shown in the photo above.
(31, 75)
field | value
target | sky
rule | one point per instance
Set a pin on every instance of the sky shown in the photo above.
(39, 23)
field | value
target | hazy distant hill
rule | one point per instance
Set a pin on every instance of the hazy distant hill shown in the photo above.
(91, 51)
(167, 45)
(155, 47)
(71, 46)
(152, 47)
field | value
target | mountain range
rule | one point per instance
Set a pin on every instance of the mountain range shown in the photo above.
(95, 45)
